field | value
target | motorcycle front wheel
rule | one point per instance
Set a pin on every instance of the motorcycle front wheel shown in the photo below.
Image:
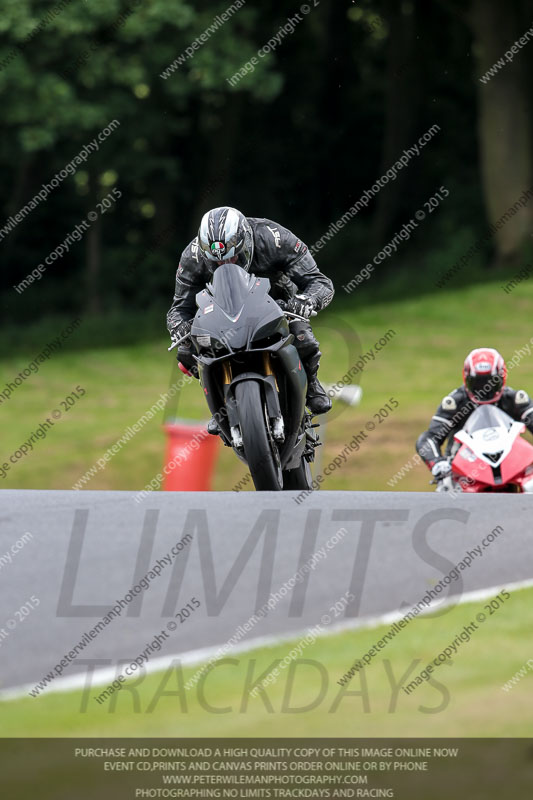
(260, 450)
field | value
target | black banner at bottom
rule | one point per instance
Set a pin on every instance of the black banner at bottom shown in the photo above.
(406, 769)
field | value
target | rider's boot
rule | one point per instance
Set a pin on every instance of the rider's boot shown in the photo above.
(305, 341)
(317, 401)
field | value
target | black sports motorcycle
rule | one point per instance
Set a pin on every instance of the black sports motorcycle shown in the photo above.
(253, 379)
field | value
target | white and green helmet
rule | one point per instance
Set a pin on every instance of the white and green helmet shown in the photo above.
(226, 237)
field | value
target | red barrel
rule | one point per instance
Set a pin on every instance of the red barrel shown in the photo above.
(190, 458)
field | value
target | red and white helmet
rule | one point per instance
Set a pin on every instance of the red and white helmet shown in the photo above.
(484, 375)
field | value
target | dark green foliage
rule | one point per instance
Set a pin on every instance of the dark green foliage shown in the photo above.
(298, 140)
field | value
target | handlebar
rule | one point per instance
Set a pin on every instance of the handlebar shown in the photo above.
(297, 316)
(177, 342)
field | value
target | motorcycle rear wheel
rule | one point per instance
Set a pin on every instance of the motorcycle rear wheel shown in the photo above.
(260, 450)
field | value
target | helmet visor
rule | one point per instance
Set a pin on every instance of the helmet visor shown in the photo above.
(242, 259)
(239, 253)
(484, 388)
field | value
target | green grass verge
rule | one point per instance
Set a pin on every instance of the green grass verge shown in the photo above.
(464, 699)
(420, 364)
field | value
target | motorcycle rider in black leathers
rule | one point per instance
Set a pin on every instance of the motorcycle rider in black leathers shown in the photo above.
(484, 376)
(269, 251)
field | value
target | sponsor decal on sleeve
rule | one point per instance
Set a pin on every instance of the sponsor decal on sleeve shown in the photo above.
(276, 234)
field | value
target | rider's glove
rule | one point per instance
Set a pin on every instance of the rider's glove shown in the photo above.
(182, 329)
(441, 469)
(301, 304)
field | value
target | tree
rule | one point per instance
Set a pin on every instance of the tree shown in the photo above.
(504, 121)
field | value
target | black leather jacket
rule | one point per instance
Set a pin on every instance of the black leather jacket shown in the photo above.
(278, 255)
(453, 412)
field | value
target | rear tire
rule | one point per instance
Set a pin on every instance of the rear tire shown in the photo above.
(299, 478)
(259, 450)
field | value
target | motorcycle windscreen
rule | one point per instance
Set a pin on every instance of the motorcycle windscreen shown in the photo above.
(487, 417)
(230, 287)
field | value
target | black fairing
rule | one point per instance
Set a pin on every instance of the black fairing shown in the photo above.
(243, 322)
(237, 310)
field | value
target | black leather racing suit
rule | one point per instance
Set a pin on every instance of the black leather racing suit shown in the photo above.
(278, 255)
(453, 412)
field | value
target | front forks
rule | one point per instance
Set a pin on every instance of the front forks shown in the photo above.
(274, 416)
(227, 373)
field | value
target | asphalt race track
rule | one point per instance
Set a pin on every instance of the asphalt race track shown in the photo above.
(88, 549)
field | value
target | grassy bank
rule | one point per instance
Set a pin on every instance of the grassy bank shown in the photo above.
(420, 362)
(464, 698)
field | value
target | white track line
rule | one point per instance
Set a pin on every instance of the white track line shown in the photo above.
(106, 675)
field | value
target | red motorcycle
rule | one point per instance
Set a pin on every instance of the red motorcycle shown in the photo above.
(490, 455)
